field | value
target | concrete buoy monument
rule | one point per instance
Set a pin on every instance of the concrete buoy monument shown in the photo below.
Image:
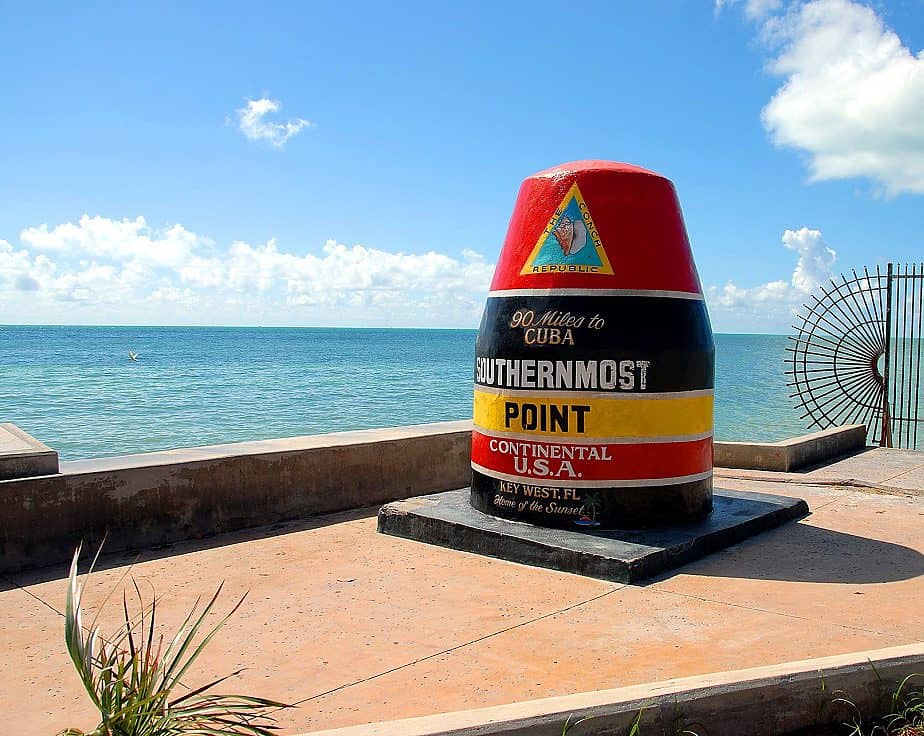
(594, 367)
(592, 445)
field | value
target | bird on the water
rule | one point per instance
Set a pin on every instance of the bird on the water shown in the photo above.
(132, 356)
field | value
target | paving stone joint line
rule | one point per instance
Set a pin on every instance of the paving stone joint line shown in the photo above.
(808, 481)
(31, 594)
(665, 591)
(456, 647)
(904, 472)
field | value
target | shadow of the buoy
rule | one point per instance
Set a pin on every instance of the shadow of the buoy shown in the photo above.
(803, 553)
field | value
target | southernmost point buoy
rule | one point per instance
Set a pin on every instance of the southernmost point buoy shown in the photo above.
(594, 368)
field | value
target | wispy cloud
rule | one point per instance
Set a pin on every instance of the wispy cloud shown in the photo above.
(128, 270)
(753, 9)
(127, 263)
(253, 123)
(852, 91)
(775, 301)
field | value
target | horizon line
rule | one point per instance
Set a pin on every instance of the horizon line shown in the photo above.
(301, 327)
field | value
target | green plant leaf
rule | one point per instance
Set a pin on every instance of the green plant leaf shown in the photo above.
(129, 676)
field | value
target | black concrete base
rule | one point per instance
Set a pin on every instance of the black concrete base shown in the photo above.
(448, 520)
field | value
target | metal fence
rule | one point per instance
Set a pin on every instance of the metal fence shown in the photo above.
(856, 357)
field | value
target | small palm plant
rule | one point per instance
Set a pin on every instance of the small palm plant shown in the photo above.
(131, 676)
(593, 501)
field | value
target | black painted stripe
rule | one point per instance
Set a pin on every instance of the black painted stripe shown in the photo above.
(673, 335)
(626, 508)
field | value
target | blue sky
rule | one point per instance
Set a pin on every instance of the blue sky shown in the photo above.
(390, 205)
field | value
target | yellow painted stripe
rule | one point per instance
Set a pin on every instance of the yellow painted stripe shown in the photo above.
(580, 416)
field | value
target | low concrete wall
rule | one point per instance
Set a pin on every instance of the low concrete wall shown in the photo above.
(778, 699)
(161, 497)
(793, 453)
(21, 455)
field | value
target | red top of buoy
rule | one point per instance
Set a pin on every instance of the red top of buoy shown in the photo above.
(594, 164)
(597, 225)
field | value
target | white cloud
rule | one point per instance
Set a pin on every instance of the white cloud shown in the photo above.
(852, 95)
(126, 263)
(252, 122)
(172, 294)
(778, 299)
(20, 270)
(341, 274)
(95, 284)
(123, 241)
(753, 9)
(815, 258)
(732, 296)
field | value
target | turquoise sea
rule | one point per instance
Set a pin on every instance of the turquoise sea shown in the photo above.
(76, 389)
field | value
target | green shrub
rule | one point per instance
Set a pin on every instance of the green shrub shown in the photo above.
(131, 676)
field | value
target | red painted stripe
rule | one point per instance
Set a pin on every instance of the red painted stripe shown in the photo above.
(527, 458)
(637, 215)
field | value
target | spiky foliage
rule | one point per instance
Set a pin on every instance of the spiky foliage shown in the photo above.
(905, 716)
(634, 728)
(132, 675)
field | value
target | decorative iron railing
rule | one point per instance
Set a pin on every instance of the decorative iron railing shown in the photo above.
(856, 357)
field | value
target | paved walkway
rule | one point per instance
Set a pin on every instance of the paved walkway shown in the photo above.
(360, 627)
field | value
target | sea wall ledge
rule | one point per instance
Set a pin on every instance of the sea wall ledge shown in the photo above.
(162, 497)
(21, 455)
(794, 453)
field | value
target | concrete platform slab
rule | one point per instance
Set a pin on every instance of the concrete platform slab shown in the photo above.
(447, 519)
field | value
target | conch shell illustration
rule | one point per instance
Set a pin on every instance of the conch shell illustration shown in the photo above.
(571, 235)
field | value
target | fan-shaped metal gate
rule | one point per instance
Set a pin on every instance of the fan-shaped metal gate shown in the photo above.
(857, 356)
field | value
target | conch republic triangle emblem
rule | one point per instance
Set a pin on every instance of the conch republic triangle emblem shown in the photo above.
(569, 243)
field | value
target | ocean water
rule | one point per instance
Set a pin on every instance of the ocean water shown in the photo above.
(75, 388)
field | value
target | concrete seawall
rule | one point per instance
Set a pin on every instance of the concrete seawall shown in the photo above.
(794, 453)
(162, 497)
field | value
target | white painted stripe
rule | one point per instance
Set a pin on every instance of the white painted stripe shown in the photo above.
(532, 393)
(593, 440)
(598, 292)
(557, 483)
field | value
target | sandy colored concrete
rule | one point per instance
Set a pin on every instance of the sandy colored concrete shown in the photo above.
(884, 465)
(364, 627)
(886, 469)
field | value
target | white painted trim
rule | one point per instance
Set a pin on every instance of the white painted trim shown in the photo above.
(662, 293)
(593, 440)
(633, 483)
(534, 393)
